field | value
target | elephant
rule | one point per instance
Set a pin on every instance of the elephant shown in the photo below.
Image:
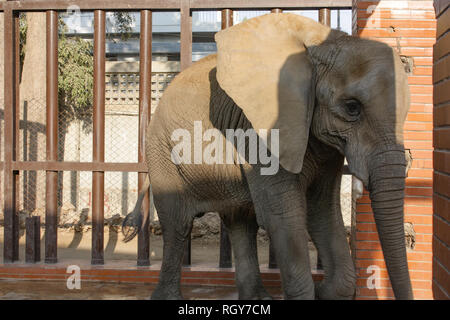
(321, 96)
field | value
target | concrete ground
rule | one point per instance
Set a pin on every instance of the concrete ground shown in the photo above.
(76, 245)
(57, 290)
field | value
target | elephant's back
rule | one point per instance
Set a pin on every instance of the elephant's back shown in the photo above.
(186, 98)
(190, 90)
(186, 103)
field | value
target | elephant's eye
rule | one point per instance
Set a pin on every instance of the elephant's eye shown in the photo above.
(353, 107)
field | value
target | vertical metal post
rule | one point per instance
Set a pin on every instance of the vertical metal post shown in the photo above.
(145, 79)
(17, 117)
(98, 178)
(225, 258)
(227, 18)
(51, 186)
(185, 35)
(338, 19)
(325, 16)
(17, 80)
(272, 260)
(33, 239)
(185, 62)
(353, 224)
(17, 114)
(187, 253)
(11, 219)
(319, 265)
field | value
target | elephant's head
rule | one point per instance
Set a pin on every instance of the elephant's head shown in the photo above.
(290, 73)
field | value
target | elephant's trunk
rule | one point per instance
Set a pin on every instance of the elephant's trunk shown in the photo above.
(387, 186)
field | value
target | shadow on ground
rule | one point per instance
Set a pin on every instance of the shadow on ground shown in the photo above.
(76, 245)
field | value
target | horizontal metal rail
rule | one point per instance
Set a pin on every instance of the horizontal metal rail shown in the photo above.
(270, 4)
(78, 166)
(59, 5)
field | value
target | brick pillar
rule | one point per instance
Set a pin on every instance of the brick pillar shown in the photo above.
(410, 27)
(441, 195)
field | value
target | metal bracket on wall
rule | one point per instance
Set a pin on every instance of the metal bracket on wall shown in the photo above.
(408, 63)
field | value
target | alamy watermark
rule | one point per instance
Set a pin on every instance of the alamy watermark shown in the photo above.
(74, 20)
(74, 280)
(74, 14)
(373, 281)
(228, 149)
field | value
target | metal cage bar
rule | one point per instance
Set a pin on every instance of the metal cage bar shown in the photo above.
(33, 239)
(272, 260)
(225, 255)
(11, 219)
(145, 71)
(61, 5)
(98, 177)
(185, 35)
(324, 18)
(185, 62)
(51, 185)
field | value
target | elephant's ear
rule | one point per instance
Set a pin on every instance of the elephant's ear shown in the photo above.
(262, 64)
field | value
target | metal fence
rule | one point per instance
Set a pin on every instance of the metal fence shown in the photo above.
(42, 152)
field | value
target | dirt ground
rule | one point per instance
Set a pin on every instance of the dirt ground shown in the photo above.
(76, 245)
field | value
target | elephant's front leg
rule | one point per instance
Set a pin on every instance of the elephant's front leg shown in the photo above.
(280, 205)
(242, 228)
(326, 228)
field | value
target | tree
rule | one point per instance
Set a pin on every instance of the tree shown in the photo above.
(75, 68)
(75, 79)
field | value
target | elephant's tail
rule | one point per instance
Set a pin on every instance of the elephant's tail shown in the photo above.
(134, 221)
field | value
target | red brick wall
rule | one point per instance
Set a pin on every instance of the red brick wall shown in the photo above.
(441, 186)
(410, 27)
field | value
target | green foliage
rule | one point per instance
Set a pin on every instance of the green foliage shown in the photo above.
(75, 74)
(75, 70)
(123, 22)
(75, 79)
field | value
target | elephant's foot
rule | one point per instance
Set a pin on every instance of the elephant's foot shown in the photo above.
(259, 293)
(335, 290)
(299, 296)
(166, 293)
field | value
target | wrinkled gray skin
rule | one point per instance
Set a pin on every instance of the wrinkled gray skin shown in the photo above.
(289, 204)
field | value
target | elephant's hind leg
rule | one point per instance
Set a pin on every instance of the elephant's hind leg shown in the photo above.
(176, 226)
(242, 227)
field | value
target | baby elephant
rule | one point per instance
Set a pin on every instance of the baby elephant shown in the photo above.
(258, 132)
